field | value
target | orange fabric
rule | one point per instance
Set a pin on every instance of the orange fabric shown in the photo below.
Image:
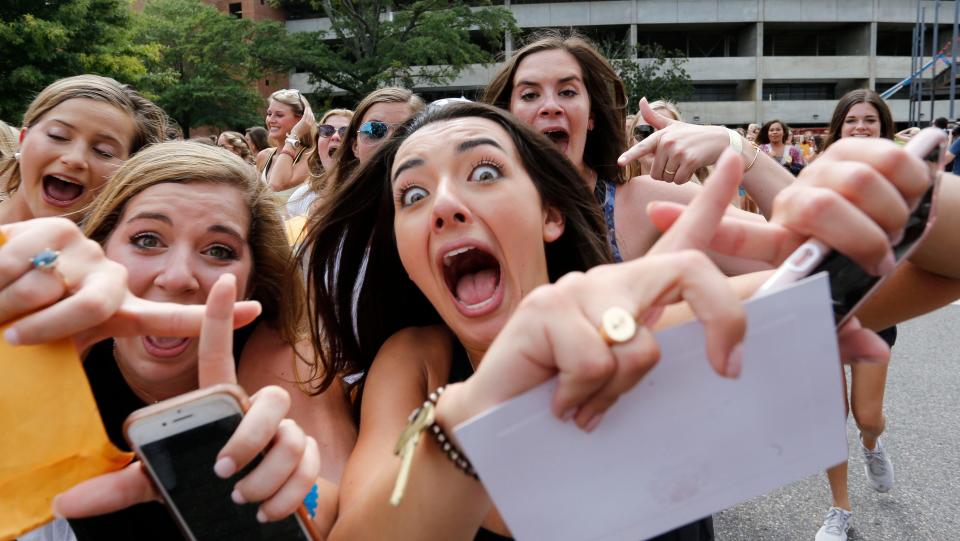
(51, 435)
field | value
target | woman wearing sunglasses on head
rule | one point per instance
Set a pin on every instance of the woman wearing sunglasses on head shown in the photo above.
(290, 124)
(330, 132)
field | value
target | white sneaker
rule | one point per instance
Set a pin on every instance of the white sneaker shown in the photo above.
(835, 526)
(878, 467)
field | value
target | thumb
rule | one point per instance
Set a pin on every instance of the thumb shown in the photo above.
(215, 351)
(652, 117)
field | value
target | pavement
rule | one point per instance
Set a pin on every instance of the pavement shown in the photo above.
(922, 406)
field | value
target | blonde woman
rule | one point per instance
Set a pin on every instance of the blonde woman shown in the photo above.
(234, 142)
(290, 124)
(75, 134)
(330, 134)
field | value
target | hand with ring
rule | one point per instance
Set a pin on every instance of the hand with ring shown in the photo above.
(56, 283)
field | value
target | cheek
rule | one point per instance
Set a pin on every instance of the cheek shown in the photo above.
(524, 111)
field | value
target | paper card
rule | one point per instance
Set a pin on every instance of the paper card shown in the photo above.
(51, 436)
(684, 443)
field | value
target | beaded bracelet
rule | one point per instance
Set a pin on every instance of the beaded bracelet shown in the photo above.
(451, 450)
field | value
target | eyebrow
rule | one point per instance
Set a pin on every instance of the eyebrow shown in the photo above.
(101, 135)
(566, 79)
(218, 228)
(461, 148)
(226, 230)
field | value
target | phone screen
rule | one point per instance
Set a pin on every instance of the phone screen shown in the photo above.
(183, 465)
(849, 283)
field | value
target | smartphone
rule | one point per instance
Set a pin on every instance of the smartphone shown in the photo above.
(178, 440)
(850, 285)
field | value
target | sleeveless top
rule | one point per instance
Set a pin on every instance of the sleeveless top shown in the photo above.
(606, 195)
(701, 530)
(284, 195)
(146, 521)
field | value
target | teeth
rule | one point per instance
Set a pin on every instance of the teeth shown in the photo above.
(448, 257)
(67, 180)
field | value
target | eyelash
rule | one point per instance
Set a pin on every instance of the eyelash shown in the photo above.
(136, 239)
(102, 153)
(489, 162)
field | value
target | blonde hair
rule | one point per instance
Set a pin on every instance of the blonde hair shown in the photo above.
(237, 141)
(317, 178)
(8, 140)
(150, 121)
(663, 105)
(345, 161)
(298, 102)
(275, 281)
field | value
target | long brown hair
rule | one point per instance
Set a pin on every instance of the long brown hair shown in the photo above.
(608, 101)
(860, 95)
(350, 250)
(275, 283)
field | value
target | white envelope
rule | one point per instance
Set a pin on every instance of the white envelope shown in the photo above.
(684, 443)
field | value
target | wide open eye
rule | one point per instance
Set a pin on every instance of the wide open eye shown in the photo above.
(485, 172)
(412, 195)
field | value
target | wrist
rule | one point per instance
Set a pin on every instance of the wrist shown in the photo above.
(454, 407)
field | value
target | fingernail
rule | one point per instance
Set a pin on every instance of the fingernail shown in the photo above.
(735, 361)
(11, 336)
(887, 265)
(225, 467)
(55, 507)
(567, 415)
(593, 422)
(261, 517)
(237, 497)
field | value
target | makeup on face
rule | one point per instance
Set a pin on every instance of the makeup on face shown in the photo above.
(378, 123)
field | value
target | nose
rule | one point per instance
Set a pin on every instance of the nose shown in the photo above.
(335, 136)
(550, 106)
(178, 277)
(75, 156)
(449, 209)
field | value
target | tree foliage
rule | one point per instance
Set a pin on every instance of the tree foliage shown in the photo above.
(42, 41)
(375, 43)
(207, 63)
(656, 74)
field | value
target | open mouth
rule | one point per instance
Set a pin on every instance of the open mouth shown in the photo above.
(473, 277)
(161, 346)
(331, 149)
(60, 191)
(559, 136)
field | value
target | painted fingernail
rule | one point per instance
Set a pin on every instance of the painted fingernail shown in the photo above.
(11, 336)
(593, 422)
(225, 467)
(261, 517)
(887, 265)
(237, 497)
(567, 415)
(735, 361)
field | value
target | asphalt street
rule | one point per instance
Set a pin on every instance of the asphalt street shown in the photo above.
(923, 438)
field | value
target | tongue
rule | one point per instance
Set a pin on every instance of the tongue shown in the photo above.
(477, 287)
(166, 341)
(63, 191)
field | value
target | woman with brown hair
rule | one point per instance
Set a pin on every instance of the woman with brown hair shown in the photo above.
(235, 143)
(774, 142)
(330, 134)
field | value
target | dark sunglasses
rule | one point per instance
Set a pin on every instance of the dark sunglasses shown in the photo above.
(326, 130)
(642, 131)
(373, 130)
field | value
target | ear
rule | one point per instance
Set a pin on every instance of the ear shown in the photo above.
(553, 224)
(23, 133)
(354, 146)
(590, 122)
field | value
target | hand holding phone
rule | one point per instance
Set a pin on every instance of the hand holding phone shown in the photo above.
(220, 441)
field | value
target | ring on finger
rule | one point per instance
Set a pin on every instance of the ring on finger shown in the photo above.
(47, 261)
(669, 172)
(617, 325)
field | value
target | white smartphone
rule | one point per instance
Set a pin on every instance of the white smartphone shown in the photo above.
(850, 285)
(178, 441)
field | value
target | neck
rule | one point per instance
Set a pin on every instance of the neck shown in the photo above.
(152, 392)
(14, 210)
(589, 176)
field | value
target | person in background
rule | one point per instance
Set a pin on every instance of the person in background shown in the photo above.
(330, 134)
(953, 164)
(235, 143)
(256, 138)
(753, 130)
(774, 141)
(291, 126)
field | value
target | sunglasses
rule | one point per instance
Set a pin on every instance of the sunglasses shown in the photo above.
(373, 130)
(642, 131)
(326, 130)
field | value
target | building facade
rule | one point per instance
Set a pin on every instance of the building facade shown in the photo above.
(749, 60)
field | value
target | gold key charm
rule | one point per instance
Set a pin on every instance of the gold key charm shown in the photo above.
(420, 419)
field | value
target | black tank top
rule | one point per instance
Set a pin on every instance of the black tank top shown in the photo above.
(701, 530)
(147, 521)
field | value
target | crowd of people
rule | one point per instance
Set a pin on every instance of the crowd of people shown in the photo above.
(456, 252)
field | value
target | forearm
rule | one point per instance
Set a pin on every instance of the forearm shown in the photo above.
(281, 172)
(940, 251)
(764, 180)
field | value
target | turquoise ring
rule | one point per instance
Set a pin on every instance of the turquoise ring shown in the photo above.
(45, 260)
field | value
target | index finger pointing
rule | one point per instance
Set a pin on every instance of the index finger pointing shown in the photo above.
(215, 351)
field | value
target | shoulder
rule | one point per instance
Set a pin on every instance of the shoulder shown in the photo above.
(263, 156)
(635, 233)
(425, 351)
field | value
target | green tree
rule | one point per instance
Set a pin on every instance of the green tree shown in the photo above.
(375, 43)
(656, 74)
(42, 41)
(208, 62)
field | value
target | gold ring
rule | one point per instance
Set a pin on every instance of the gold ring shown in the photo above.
(617, 326)
(669, 172)
(47, 261)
